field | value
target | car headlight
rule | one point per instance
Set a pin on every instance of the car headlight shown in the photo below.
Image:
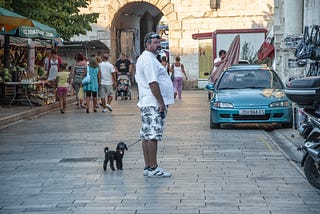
(222, 105)
(280, 104)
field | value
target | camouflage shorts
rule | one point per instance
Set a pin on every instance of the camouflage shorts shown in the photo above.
(152, 123)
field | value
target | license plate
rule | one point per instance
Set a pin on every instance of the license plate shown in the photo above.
(252, 112)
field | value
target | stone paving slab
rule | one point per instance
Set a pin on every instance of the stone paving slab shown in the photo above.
(233, 170)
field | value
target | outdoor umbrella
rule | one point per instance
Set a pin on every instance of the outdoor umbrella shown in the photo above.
(10, 20)
(232, 58)
(39, 30)
(28, 29)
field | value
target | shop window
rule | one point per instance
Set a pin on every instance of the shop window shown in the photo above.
(215, 4)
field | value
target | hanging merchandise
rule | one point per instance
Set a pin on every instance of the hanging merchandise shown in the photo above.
(314, 69)
(309, 43)
(315, 53)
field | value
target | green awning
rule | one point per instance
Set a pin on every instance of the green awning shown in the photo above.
(39, 30)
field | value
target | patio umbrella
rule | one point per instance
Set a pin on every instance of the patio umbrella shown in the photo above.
(232, 58)
(39, 30)
(10, 20)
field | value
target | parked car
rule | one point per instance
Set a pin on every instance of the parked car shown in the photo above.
(241, 61)
(247, 93)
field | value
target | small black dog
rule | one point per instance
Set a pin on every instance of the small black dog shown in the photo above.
(114, 156)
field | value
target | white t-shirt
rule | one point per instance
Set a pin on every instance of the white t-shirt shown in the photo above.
(148, 70)
(218, 59)
(106, 69)
(177, 71)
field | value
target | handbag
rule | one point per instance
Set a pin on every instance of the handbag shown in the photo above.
(306, 45)
(172, 73)
(172, 76)
(86, 79)
(314, 69)
(315, 53)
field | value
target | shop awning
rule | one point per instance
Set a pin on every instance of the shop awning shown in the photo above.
(23, 42)
(10, 20)
(39, 30)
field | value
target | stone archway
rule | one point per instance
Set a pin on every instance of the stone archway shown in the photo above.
(132, 20)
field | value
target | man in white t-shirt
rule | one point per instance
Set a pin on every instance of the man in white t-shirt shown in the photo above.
(108, 80)
(219, 60)
(155, 94)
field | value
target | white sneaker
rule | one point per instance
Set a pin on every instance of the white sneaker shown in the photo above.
(104, 110)
(159, 173)
(109, 107)
(146, 171)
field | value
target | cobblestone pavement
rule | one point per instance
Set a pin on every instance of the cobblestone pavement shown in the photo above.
(53, 164)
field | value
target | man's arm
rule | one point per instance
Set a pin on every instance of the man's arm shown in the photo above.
(155, 89)
(130, 68)
(114, 79)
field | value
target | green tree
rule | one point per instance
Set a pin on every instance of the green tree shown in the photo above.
(63, 15)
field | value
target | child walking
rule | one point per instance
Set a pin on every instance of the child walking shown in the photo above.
(62, 84)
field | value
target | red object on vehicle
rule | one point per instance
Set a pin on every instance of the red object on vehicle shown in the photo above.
(266, 50)
(232, 58)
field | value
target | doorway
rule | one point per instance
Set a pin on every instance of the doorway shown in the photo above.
(129, 26)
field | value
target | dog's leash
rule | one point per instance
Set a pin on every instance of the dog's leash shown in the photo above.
(134, 143)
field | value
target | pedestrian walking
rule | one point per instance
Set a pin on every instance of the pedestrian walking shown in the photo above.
(155, 94)
(52, 66)
(78, 70)
(99, 102)
(91, 89)
(178, 71)
(62, 85)
(165, 64)
(108, 80)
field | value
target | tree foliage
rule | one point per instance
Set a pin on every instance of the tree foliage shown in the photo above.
(63, 15)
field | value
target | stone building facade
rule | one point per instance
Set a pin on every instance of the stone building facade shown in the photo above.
(290, 18)
(184, 18)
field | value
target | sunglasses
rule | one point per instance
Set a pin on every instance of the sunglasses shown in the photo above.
(154, 36)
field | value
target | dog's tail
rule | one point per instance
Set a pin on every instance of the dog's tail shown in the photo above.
(106, 149)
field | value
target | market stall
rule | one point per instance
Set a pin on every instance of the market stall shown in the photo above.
(23, 49)
(20, 83)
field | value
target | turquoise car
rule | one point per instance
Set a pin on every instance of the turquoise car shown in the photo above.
(249, 94)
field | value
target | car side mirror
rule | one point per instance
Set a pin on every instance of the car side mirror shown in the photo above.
(210, 86)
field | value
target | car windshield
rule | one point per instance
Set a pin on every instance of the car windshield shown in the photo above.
(239, 79)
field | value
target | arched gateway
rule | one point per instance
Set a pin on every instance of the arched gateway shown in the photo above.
(131, 22)
(123, 23)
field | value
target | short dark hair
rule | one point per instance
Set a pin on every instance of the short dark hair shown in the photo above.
(222, 52)
(149, 36)
(53, 52)
(64, 66)
(79, 57)
(105, 56)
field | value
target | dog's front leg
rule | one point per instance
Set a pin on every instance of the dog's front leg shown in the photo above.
(119, 164)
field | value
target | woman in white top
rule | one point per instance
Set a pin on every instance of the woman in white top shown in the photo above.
(178, 71)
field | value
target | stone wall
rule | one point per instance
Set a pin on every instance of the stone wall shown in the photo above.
(186, 17)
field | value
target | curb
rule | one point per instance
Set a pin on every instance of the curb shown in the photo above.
(287, 145)
(31, 113)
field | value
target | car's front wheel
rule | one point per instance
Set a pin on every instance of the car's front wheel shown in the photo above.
(288, 125)
(212, 124)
